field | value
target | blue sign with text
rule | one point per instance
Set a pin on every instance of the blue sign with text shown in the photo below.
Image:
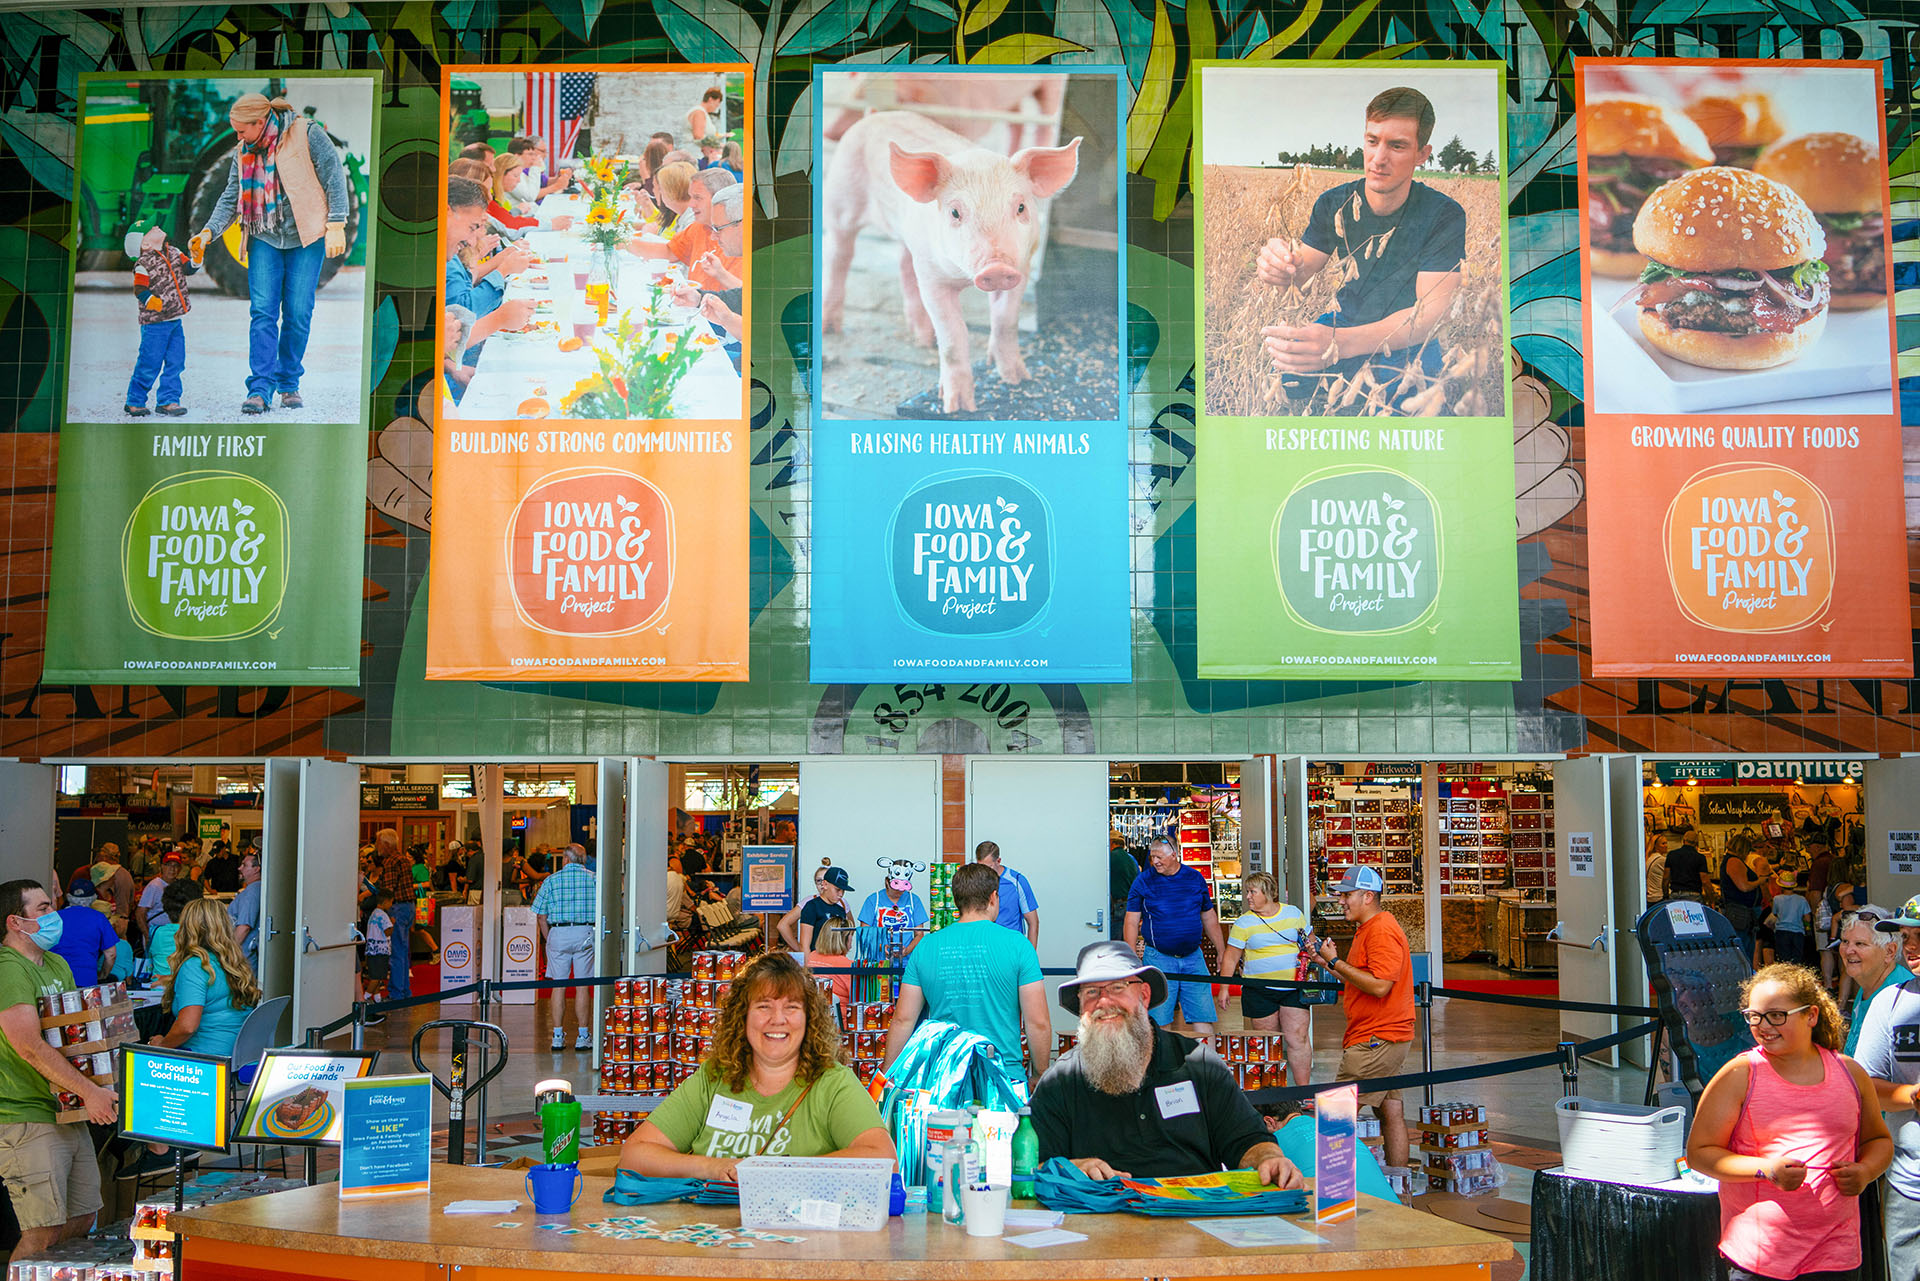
(386, 1136)
(970, 491)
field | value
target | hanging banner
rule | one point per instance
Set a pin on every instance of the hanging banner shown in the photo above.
(592, 446)
(970, 475)
(1743, 436)
(1356, 512)
(210, 505)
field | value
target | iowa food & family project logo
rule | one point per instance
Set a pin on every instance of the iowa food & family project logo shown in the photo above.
(590, 553)
(972, 555)
(204, 557)
(1358, 551)
(1750, 548)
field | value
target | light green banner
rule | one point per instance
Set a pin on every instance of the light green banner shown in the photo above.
(208, 555)
(1355, 486)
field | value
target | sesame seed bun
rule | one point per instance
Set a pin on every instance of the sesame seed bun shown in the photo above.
(1736, 120)
(1726, 219)
(1732, 351)
(1642, 127)
(1832, 172)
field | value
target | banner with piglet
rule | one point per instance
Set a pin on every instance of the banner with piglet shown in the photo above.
(1356, 513)
(970, 446)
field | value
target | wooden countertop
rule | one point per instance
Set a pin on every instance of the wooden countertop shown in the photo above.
(921, 1247)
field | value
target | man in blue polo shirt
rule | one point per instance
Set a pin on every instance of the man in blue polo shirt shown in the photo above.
(1169, 909)
(1019, 909)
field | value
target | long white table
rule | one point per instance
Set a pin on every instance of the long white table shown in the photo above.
(515, 367)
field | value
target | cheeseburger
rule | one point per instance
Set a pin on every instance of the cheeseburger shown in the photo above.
(1734, 278)
(1633, 145)
(1738, 126)
(1841, 179)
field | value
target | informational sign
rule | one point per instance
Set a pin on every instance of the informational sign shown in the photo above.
(193, 546)
(1745, 806)
(298, 1096)
(1687, 917)
(766, 878)
(208, 827)
(176, 1097)
(1580, 853)
(459, 951)
(595, 427)
(399, 796)
(1744, 501)
(969, 498)
(520, 956)
(1669, 773)
(1336, 1173)
(1903, 853)
(386, 1136)
(1354, 394)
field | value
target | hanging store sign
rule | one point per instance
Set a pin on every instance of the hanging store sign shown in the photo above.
(1669, 773)
(399, 796)
(1354, 389)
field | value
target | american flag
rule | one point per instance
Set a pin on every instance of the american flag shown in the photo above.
(556, 102)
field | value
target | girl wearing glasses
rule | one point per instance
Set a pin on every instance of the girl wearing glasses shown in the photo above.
(1792, 1130)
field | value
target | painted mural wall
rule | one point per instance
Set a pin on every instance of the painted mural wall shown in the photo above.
(1167, 707)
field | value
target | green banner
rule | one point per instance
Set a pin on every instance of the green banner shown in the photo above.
(208, 555)
(1355, 463)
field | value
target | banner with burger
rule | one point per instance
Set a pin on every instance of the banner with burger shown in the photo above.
(1744, 477)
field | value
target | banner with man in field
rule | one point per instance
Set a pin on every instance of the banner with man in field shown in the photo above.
(1355, 448)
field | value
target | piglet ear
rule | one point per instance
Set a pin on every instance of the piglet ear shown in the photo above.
(920, 174)
(1048, 168)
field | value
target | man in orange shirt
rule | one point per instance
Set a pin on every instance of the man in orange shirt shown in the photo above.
(689, 246)
(1378, 974)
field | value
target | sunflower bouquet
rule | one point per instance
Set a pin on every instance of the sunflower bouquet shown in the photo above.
(639, 371)
(603, 177)
(605, 225)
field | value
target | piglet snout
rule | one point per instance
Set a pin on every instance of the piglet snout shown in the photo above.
(997, 277)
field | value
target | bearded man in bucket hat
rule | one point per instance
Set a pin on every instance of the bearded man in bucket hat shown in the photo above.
(1133, 1100)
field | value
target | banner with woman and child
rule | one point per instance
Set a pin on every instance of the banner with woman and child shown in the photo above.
(590, 461)
(210, 507)
(1356, 498)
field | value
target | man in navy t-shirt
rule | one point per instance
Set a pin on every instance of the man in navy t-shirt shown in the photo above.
(1404, 241)
(1169, 909)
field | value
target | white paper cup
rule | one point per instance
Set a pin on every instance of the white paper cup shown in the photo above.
(986, 1211)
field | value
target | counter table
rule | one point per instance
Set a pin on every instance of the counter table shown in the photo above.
(308, 1233)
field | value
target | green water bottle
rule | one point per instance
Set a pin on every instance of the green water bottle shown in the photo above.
(560, 1132)
(1026, 1155)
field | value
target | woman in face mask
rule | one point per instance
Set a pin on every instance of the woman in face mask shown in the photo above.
(30, 969)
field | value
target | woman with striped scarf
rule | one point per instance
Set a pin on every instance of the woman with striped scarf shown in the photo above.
(288, 191)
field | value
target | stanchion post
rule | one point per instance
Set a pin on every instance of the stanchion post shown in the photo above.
(1569, 1069)
(1423, 998)
(480, 1099)
(1653, 1063)
(359, 1025)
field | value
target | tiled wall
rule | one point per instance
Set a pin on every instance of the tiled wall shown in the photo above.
(777, 713)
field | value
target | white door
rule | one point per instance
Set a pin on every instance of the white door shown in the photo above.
(610, 837)
(1293, 796)
(1629, 893)
(1049, 818)
(856, 810)
(279, 878)
(328, 876)
(1582, 845)
(26, 822)
(646, 916)
(1262, 833)
(1892, 800)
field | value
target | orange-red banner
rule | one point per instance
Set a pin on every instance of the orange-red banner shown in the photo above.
(590, 451)
(1744, 497)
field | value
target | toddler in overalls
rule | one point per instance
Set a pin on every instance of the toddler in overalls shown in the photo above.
(160, 289)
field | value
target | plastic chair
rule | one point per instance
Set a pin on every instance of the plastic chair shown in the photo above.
(250, 1043)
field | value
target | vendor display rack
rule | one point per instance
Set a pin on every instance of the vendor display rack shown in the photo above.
(1194, 804)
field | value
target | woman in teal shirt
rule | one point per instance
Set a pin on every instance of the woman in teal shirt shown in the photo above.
(212, 989)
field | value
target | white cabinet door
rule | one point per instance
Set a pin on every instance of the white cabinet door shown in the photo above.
(1629, 894)
(327, 899)
(280, 878)
(1582, 849)
(647, 806)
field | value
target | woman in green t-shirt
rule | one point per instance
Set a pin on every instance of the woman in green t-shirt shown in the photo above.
(773, 1086)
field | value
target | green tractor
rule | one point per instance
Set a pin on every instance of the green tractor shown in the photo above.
(472, 122)
(159, 151)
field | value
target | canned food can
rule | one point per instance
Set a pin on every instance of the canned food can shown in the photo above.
(92, 998)
(1236, 1049)
(646, 991)
(623, 991)
(702, 965)
(73, 1033)
(96, 1030)
(103, 1063)
(50, 1007)
(729, 965)
(639, 1019)
(1256, 1049)
(720, 989)
(70, 1002)
(52, 1037)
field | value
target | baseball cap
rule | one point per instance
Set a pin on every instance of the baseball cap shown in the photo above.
(173, 856)
(1909, 916)
(81, 890)
(1358, 878)
(135, 234)
(837, 877)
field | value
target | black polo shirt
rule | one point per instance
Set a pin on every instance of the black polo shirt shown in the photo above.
(1130, 1131)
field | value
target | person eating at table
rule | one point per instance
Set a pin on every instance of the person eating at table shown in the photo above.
(503, 207)
(774, 1085)
(691, 245)
(536, 182)
(1133, 1100)
(672, 200)
(466, 225)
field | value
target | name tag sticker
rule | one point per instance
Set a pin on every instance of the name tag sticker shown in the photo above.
(1177, 1099)
(731, 1115)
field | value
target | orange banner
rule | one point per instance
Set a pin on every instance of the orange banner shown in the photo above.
(591, 449)
(1744, 493)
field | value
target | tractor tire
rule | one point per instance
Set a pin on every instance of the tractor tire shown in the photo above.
(203, 194)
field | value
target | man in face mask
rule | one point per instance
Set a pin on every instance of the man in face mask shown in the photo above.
(49, 1169)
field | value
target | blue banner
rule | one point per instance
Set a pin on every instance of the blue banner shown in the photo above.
(970, 473)
(386, 1138)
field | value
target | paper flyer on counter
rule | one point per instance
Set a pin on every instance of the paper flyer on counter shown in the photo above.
(1356, 511)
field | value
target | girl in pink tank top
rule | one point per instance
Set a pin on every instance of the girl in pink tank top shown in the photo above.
(1794, 1134)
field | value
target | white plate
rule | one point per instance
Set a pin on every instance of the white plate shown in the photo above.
(1849, 370)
